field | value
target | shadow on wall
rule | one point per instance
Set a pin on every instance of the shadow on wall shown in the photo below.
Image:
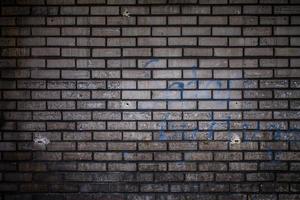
(2, 121)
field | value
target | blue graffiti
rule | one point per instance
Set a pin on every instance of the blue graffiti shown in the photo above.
(151, 61)
(180, 85)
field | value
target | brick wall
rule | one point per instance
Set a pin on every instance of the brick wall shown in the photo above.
(150, 99)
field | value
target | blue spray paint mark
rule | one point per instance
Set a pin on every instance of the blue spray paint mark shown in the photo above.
(277, 132)
(245, 127)
(194, 134)
(228, 127)
(151, 61)
(162, 134)
(125, 154)
(180, 86)
(211, 130)
(194, 76)
(218, 82)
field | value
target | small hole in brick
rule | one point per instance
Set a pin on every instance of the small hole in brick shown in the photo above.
(126, 13)
(235, 140)
(41, 140)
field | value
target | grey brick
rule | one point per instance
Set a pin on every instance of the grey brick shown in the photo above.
(259, 9)
(60, 63)
(136, 31)
(77, 52)
(83, 10)
(164, 74)
(164, 31)
(60, 41)
(176, 20)
(167, 52)
(136, 52)
(91, 42)
(152, 20)
(109, 31)
(196, 31)
(212, 41)
(226, 31)
(107, 52)
(91, 20)
(151, 41)
(165, 10)
(243, 20)
(227, 10)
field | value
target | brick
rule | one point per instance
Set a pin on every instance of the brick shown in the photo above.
(106, 31)
(90, 63)
(226, 10)
(197, 52)
(199, 10)
(41, 31)
(136, 9)
(83, 10)
(259, 52)
(122, 146)
(166, 10)
(137, 52)
(90, 42)
(107, 156)
(112, 52)
(291, 30)
(243, 20)
(78, 52)
(91, 20)
(287, 51)
(228, 52)
(61, 105)
(257, 9)
(152, 20)
(55, 41)
(176, 20)
(151, 105)
(270, 20)
(60, 63)
(105, 10)
(257, 31)
(226, 31)
(167, 52)
(164, 31)
(60, 21)
(136, 31)
(77, 156)
(212, 41)
(83, 166)
(151, 41)
(27, 42)
(278, 41)
(119, 42)
(163, 74)
(196, 31)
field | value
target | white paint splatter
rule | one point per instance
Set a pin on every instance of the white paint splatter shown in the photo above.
(41, 140)
(235, 140)
(126, 13)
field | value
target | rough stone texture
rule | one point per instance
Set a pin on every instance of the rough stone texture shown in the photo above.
(150, 99)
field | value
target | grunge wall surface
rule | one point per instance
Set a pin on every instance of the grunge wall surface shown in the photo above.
(150, 99)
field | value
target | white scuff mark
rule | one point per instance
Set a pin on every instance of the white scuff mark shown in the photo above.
(41, 140)
(126, 13)
(235, 140)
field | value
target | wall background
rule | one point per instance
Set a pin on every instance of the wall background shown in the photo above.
(150, 99)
